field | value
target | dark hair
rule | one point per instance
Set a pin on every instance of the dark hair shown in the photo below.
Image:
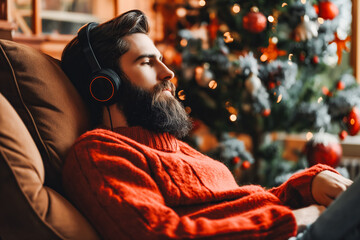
(107, 41)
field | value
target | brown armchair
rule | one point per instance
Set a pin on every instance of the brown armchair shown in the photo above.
(41, 115)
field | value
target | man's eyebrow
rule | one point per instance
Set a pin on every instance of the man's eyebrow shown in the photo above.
(147, 56)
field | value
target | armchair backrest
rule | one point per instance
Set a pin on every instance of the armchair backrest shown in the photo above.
(45, 100)
(41, 115)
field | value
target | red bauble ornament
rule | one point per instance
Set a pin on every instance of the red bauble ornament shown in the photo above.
(271, 85)
(326, 91)
(340, 85)
(316, 8)
(266, 112)
(302, 57)
(254, 21)
(353, 121)
(213, 27)
(328, 10)
(236, 160)
(315, 59)
(343, 134)
(323, 148)
(245, 165)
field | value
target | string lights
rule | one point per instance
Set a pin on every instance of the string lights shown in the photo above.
(236, 8)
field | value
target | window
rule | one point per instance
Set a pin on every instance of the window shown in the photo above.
(48, 25)
(57, 16)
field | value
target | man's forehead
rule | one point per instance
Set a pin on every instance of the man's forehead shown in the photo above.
(141, 44)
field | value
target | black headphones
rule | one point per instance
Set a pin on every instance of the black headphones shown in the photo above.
(104, 83)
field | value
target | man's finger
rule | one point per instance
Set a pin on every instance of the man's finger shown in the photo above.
(348, 182)
(327, 200)
(336, 190)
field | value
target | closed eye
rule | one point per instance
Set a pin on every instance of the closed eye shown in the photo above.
(148, 59)
(150, 63)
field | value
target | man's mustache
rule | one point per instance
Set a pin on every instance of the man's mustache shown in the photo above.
(163, 86)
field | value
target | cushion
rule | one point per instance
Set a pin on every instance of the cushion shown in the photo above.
(45, 100)
(28, 209)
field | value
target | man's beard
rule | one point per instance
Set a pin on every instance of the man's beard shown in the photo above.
(154, 110)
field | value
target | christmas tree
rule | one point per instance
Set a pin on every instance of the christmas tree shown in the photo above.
(261, 66)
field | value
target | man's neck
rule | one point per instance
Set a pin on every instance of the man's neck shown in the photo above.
(114, 117)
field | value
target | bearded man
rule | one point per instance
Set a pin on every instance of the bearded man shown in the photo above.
(132, 177)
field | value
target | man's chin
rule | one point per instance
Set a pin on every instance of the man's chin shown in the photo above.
(164, 96)
(167, 93)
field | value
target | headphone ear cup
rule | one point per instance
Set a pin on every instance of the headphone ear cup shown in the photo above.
(104, 86)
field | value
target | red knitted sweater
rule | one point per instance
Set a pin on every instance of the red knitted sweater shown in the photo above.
(135, 184)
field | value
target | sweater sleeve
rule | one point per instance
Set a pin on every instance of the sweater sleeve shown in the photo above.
(296, 191)
(122, 201)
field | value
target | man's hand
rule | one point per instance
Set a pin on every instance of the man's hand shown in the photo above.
(327, 185)
(307, 215)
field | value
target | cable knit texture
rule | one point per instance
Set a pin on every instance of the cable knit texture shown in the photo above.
(135, 184)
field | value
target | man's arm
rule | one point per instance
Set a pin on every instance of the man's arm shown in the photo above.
(297, 192)
(319, 184)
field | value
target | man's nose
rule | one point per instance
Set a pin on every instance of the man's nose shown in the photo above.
(165, 74)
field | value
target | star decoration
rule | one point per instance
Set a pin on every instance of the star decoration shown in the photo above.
(341, 45)
(271, 52)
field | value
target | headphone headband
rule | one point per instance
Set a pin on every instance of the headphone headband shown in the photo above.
(84, 38)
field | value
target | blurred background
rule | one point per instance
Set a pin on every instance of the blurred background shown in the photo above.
(271, 86)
